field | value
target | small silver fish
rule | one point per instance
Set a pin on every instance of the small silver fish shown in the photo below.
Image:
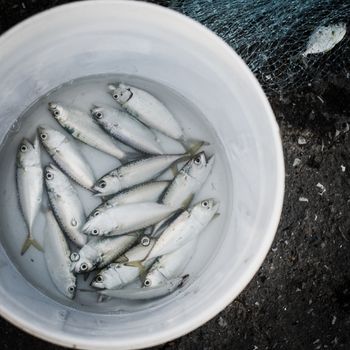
(67, 156)
(57, 256)
(29, 176)
(184, 228)
(169, 265)
(147, 109)
(325, 38)
(81, 126)
(135, 172)
(127, 129)
(66, 204)
(146, 293)
(148, 192)
(99, 252)
(119, 273)
(126, 218)
(186, 184)
(188, 181)
(150, 111)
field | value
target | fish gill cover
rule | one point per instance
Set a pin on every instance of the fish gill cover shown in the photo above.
(286, 43)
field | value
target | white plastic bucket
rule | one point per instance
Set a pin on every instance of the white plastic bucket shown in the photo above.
(97, 37)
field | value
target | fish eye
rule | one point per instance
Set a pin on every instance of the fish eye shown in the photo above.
(98, 115)
(71, 289)
(102, 184)
(147, 282)
(95, 232)
(197, 160)
(49, 176)
(56, 112)
(43, 136)
(205, 204)
(145, 241)
(115, 96)
(74, 256)
(83, 267)
(24, 148)
(99, 279)
(96, 213)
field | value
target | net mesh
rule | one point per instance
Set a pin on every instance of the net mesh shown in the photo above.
(271, 36)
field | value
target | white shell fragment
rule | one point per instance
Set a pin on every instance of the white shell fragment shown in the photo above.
(322, 189)
(297, 162)
(302, 140)
(324, 38)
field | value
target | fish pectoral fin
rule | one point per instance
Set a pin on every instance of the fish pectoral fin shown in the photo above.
(30, 241)
(216, 215)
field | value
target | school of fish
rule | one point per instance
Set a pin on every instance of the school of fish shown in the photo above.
(145, 230)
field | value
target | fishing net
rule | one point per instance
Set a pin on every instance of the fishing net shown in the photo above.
(271, 36)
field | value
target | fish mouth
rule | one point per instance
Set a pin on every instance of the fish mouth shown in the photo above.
(211, 160)
(51, 166)
(112, 87)
(94, 108)
(97, 284)
(52, 106)
(86, 228)
(25, 142)
(98, 193)
(216, 205)
(41, 128)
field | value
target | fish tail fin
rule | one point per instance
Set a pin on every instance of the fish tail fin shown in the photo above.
(130, 156)
(174, 170)
(101, 298)
(192, 146)
(30, 241)
(216, 215)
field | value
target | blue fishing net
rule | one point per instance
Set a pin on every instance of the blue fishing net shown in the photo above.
(271, 36)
